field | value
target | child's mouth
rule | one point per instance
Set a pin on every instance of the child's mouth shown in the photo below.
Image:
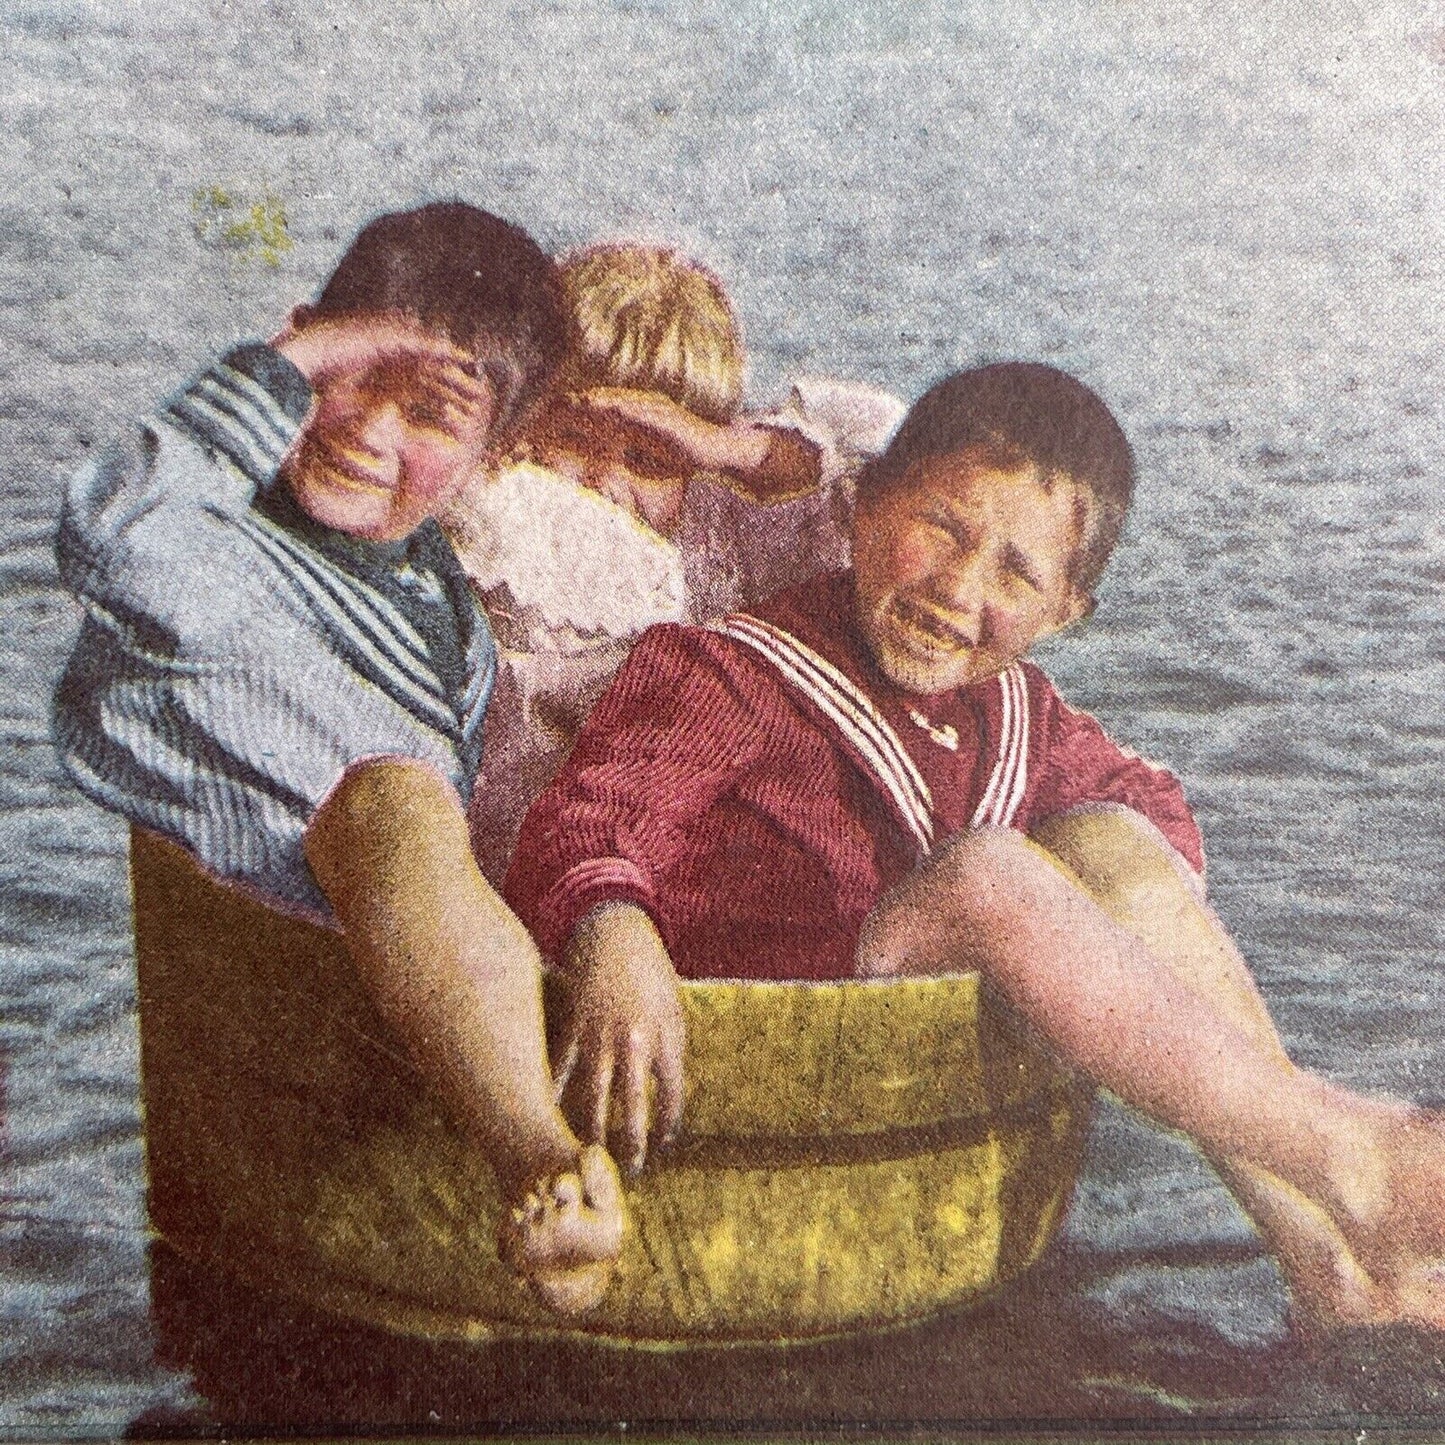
(928, 631)
(337, 471)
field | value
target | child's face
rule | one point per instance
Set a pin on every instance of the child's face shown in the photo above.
(629, 464)
(390, 443)
(960, 567)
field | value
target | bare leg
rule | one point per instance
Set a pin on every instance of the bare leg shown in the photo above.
(997, 902)
(458, 978)
(1128, 868)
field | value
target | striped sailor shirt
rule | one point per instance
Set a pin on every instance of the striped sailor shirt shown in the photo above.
(757, 786)
(235, 656)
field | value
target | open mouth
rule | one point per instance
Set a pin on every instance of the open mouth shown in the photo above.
(339, 472)
(927, 631)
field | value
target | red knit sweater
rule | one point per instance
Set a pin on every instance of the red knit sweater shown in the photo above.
(722, 796)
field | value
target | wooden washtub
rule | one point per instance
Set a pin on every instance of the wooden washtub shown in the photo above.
(855, 1155)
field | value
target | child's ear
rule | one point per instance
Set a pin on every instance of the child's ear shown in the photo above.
(298, 319)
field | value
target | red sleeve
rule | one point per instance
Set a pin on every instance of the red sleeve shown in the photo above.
(664, 743)
(1082, 764)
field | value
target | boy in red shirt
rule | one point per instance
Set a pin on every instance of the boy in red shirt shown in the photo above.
(855, 782)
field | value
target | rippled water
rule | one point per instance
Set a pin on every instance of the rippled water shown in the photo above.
(1231, 224)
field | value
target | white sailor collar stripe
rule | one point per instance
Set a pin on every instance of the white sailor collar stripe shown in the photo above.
(381, 655)
(867, 732)
(1008, 781)
(378, 614)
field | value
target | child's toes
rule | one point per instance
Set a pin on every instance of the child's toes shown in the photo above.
(573, 1291)
(527, 1211)
(601, 1185)
(566, 1234)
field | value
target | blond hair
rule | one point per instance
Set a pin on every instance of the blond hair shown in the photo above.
(646, 317)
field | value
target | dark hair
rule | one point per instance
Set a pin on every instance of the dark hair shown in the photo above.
(1023, 411)
(478, 280)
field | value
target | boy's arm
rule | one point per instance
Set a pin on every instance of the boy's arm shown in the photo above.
(246, 411)
(820, 437)
(228, 744)
(144, 517)
(764, 459)
(671, 735)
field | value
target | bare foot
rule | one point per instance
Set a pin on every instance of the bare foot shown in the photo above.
(565, 1236)
(1395, 1212)
(1329, 1290)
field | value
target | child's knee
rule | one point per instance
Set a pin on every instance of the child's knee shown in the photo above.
(979, 868)
(1118, 857)
(916, 926)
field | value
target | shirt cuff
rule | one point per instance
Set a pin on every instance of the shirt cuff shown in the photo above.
(249, 406)
(584, 887)
(277, 375)
(820, 438)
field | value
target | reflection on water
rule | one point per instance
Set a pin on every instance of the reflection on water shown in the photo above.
(1079, 1339)
(1228, 223)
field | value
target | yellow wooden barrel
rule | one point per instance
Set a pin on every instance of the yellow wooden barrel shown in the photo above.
(856, 1155)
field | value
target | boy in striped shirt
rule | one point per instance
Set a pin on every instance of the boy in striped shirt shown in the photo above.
(856, 781)
(282, 667)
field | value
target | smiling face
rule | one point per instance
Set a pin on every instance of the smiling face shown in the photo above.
(960, 566)
(389, 444)
(631, 465)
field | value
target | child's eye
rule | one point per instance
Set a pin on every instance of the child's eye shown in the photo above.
(1021, 574)
(433, 414)
(649, 463)
(949, 527)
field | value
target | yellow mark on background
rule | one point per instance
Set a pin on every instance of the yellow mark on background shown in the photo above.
(250, 228)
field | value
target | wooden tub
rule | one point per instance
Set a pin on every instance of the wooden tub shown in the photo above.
(855, 1155)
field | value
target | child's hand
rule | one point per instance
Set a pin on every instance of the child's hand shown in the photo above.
(624, 1030)
(323, 350)
(707, 446)
(763, 463)
(564, 1237)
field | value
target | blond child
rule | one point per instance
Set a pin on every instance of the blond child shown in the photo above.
(855, 780)
(637, 499)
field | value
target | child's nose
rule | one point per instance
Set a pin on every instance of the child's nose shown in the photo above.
(382, 428)
(963, 583)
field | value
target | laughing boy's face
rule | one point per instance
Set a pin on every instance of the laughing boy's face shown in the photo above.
(389, 445)
(960, 566)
